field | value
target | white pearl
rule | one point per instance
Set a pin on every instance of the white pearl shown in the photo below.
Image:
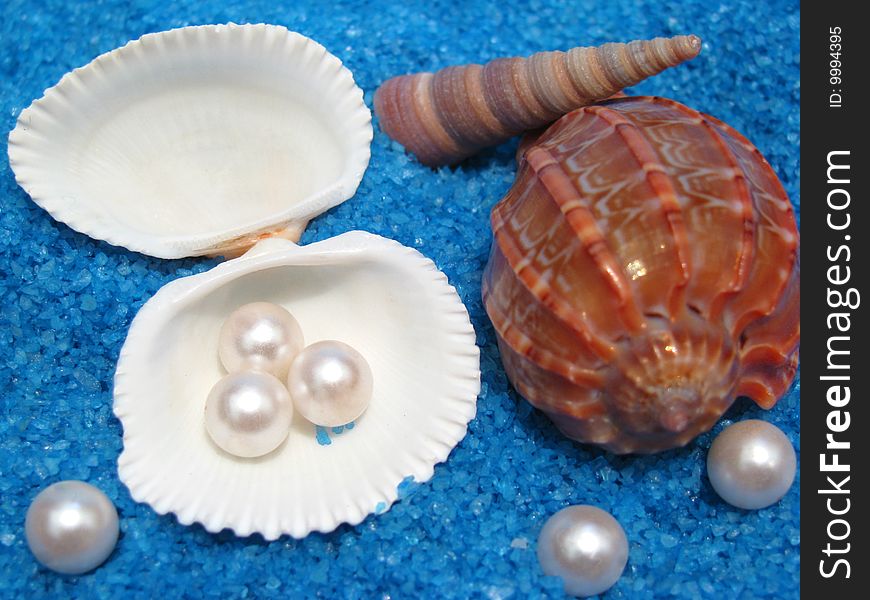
(751, 464)
(248, 414)
(330, 383)
(586, 547)
(260, 335)
(71, 527)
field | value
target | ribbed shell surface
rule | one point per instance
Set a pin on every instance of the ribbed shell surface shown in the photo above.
(644, 273)
(447, 116)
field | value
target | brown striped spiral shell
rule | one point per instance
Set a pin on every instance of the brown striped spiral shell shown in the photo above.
(644, 273)
(447, 116)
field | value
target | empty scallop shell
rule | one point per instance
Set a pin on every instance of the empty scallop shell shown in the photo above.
(386, 300)
(196, 141)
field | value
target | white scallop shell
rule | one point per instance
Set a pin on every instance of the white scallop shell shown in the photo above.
(387, 301)
(195, 141)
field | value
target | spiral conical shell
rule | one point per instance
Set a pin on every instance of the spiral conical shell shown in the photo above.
(449, 115)
(644, 272)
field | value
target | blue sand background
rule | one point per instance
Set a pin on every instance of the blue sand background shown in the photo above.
(66, 302)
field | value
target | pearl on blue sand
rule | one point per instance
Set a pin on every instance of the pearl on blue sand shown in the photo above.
(262, 336)
(71, 527)
(330, 383)
(248, 413)
(751, 464)
(586, 547)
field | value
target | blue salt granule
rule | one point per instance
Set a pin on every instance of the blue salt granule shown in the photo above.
(66, 302)
(322, 435)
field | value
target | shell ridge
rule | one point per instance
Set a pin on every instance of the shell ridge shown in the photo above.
(427, 115)
(501, 95)
(659, 180)
(530, 279)
(562, 191)
(446, 91)
(574, 346)
(474, 92)
(524, 84)
(584, 71)
(545, 359)
(578, 408)
(742, 266)
(708, 287)
(544, 82)
(775, 234)
(775, 293)
(768, 357)
(770, 352)
(750, 148)
(389, 108)
(616, 75)
(765, 388)
(631, 56)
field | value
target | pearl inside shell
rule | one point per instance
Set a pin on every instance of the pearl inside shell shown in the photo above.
(751, 464)
(71, 527)
(586, 547)
(262, 336)
(249, 413)
(330, 383)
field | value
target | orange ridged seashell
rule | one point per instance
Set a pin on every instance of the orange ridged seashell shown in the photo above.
(644, 273)
(449, 115)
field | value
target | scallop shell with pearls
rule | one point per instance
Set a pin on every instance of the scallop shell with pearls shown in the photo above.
(387, 301)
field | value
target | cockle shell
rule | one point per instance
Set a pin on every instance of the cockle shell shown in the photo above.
(196, 141)
(447, 116)
(644, 272)
(387, 301)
